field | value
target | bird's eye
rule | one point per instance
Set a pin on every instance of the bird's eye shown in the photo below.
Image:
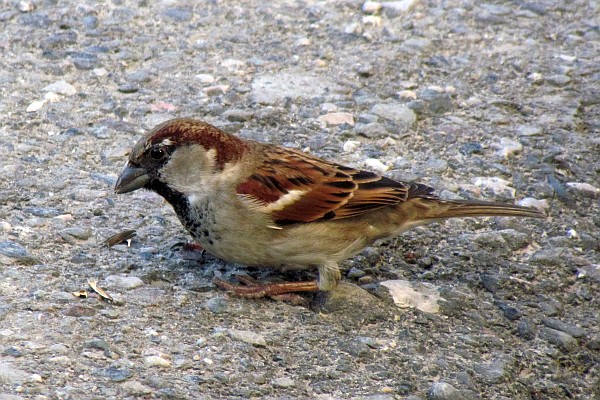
(157, 153)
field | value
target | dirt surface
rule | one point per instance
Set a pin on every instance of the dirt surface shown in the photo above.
(496, 100)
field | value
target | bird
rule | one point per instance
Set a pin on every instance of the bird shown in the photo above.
(268, 206)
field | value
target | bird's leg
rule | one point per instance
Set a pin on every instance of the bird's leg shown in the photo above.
(278, 291)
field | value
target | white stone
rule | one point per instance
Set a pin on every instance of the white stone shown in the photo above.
(371, 7)
(205, 78)
(351, 146)
(61, 87)
(36, 105)
(336, 118)
(373, 20)
(400, 6)
(508, 147)
(157, 361)
(376, 165)
(407, 95)
(541, 205)
(496, 185)
(422, 297)
(123, 282)
(249, 337)
(584, 187)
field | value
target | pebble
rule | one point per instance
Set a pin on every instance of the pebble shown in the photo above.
(10, 374)
(373, 20)
(423, 297)
(123, 282)
(283, 382)
(370, 130)
(336, 118)
(439, 101)
(401, 6)
(84, 61)
(118, 374)
(217, 305)
(584, 188)
(238, 115)
(136, 388)
(551, 257)
(371, 7)
(351, 146)
(443, 391)
(558, 80)
(249, 337)
(561, 339)
(61, 87)
(396, 112)
(526, 330)
(492, 373)
(273, 89)
(376, 165)
(529, 130)
(36, 105)
(498, 186)
(572, 330)
(179, 14)
(205, 78)
(541, 205)
(508, 147)
(157, 361)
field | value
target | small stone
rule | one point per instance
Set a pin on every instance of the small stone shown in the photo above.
(498, 186)
(541, 205)
(10, 374)
(373, 20)
(157, 361)
(136, 388)
(376, 165)
(118, 374)
(508, 147)
(36, 105)
(82, 233)
(84, 61)
(61, 87)
(123, 282)
(551, 257)
(336, 118)
(585, 188)
(351, 146)
(217, 305)
(529, 130)
(283, 382)
(471, 148)
(238, 115)
(439, 101)
(179, 14)
(492, 373)
(396, 112)
(558, 80)
(423, 297)
(572, 330)
(205, 78)
(128, 88)
(407, 95)
(249, 337)
(561, 339)
(25, 6)
(526, 330)
(371, 7)
(444, 391)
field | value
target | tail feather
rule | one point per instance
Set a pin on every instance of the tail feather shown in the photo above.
(474, 208)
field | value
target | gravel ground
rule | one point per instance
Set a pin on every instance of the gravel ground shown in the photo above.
(496, 100)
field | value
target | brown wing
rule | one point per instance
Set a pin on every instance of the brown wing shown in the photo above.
(294, 187)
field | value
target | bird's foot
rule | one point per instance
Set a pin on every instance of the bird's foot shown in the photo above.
(251, 289)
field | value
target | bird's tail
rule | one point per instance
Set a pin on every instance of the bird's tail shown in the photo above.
(474, 208)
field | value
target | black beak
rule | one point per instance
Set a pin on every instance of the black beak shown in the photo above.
(132, 178)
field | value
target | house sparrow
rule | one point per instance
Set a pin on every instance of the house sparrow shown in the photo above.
(268, 206)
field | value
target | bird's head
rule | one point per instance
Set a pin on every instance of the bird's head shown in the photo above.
(180, 155)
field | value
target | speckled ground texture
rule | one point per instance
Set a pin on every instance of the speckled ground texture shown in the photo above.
(450, 93)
